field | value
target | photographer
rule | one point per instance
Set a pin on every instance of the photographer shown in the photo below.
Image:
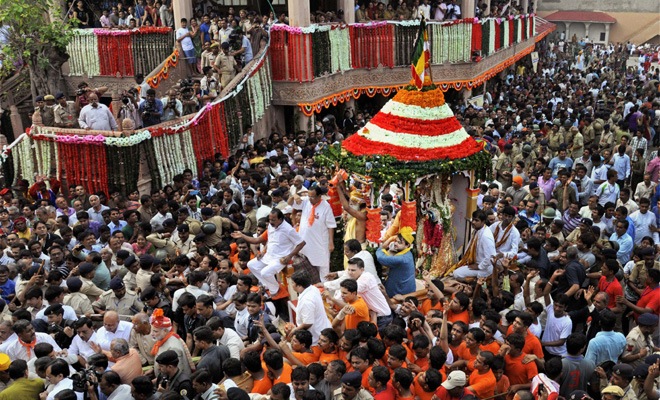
(453, 11)
(60, 329)
(129, 108)
(188, 97)
(151, 109)
(209, 84)
(82, 95)
(172, 107)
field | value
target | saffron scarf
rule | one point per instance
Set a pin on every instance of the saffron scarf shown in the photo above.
(158, 344)
(505, 237)
(28, 346)
(312, 214)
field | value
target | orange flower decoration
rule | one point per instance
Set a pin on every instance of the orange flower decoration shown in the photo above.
(158, 313)
(427, 99)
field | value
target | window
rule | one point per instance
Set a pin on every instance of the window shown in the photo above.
(602, 37)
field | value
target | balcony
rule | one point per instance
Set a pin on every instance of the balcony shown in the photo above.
(318, 66)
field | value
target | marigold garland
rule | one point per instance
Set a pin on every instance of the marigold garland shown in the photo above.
(408, 215)
(429, 98)
(373, 225)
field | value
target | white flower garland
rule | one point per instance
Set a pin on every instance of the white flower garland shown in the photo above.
(188, 152)
(83, 54)
(23, 160)
(340, 57)
(416, 112)
(377, 134)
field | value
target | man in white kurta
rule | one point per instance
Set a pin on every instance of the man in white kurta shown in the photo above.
(482, 247)
(643, 221)
(317, 227)
(310, 310)
(283, 242)
(23, 347)
(506, 235)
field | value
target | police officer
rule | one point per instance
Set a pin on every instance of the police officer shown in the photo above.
(170, 378)
(119, 299)
(638, 342)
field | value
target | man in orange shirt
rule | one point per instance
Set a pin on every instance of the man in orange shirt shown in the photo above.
(355, 310)
(482, 380)
(532, 344)
(252, 362)
(426, 383)
(278, 370)
(402, 380)
(520, 374)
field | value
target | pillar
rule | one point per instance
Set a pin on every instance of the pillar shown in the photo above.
(302, 122)
(16, 121)
(116, 107)
(487, 13)
(524, 5)
(349, 10)
(586, 29)
(467, 8)
(568, 31)
(181, 9)
(607, 33)
(299, 11)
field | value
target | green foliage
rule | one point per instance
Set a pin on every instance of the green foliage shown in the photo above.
(34, 36)
(386, 169)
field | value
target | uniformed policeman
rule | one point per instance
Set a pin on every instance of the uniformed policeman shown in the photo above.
(118, 299)
(622, 375)
(170, 378)
(639, 343)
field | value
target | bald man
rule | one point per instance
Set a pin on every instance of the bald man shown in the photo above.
(141, 339)
(96, 116)
(112, 329)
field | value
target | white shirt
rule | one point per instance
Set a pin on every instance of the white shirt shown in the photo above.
(281, 242)
(311, 310)
(64, 384)
(69, 313)
(122, 392)
(194, 290)
(555, 329)
(241, 322)
(643, 223)
(97, 215)
(485, 248)
(367, 289)
(233, 342)
(16, 351)
(316, 236)
(104, 337)
(157, 221)
(81, 348)
(510, 247)
(186, 43)
(425, 10)
(99, 118)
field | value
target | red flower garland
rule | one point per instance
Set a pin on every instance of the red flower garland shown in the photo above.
(373, 225)
(408, 215)
(362, 146)
(395, 123)
(335, 202)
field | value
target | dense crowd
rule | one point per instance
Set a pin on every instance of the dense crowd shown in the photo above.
(220, 286)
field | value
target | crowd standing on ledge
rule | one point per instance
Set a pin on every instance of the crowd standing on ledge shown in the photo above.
(181, 292)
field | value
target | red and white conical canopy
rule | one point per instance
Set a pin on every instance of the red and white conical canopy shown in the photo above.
(415, 125)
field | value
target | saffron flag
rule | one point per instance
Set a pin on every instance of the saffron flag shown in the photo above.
(421, 56)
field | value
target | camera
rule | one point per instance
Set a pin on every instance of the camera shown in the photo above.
(149, 107)
(54, 328)
(84, 378)
(80, 92)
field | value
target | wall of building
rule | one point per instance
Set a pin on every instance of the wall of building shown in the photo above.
(639, 6)
(636, 26)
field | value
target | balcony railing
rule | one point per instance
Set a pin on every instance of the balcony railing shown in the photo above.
(103, 160)
(120, 53)
(303, 54)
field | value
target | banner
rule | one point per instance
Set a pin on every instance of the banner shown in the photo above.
(535, 60)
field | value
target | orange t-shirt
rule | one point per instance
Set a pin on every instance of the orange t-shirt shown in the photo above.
(518, 372)
(422, 363)
(461, 316)
(419, 392)
(427, 306)
(365, 380)
(493, 347)
(285, 376)
(483, 384)
(464, 354)
(263, 385)
(361, 314)
(307, 358)
(503, 385)
(532, 343)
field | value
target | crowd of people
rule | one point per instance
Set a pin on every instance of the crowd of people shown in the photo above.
(220, 285)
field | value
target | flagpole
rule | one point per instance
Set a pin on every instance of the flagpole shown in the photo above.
(428, 64)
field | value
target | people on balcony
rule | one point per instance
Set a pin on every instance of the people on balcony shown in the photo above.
(151, 109)
(184, 37)
(66, 113)
(225, 65)
(96, 116)
(172, 107)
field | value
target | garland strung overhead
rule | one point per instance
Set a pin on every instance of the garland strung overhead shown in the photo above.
(164, 72)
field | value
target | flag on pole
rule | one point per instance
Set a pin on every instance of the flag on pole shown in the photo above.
(421, 56)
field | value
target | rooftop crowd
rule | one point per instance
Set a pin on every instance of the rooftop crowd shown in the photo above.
(183, 292)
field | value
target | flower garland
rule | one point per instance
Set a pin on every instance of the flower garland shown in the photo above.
(83, 54)
(321, 57)
(128, 141)
(374, 225)
(42, 152)
(426, 99)
(23, 160)
(340, 59)
(164, 72)
(424, 113)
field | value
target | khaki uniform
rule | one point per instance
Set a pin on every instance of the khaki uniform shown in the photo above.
(638, 275)
(127, 305)
(162, 243)
(143, 279)
(554, 140)
(226, 66)
(194, 225)
(216, 237)
(504, 163)
(516, 150)
(79, 302)
(66, 114)
(529, 161)
(363, 394)
(90, 289)
(130, 281)
(578, 145)
(636, 341)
